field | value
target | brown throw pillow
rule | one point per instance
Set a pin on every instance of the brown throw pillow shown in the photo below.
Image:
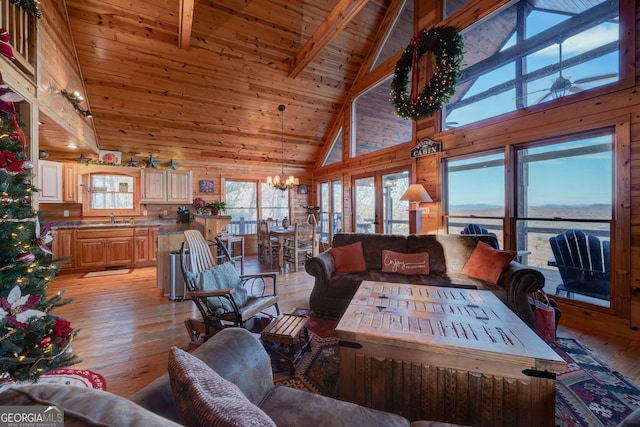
(487, 263)
(349, 258)
(203, 398)
(407, 264)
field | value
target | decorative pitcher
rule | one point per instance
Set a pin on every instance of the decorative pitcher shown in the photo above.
(285, 223)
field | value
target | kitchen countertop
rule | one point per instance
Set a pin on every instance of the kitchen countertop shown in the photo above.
(177, 228)
(106, 224)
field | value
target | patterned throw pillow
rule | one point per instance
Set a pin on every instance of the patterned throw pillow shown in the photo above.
(407, 264)
(203, 398)
(349, 258)
(487, 263)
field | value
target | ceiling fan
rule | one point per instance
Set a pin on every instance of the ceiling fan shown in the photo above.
(563, 85)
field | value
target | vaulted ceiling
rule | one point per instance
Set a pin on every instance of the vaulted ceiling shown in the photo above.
(202, 80)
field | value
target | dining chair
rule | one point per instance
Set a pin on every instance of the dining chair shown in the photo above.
(272, 222)
(260, 232)
(269, 245)
(301, 246)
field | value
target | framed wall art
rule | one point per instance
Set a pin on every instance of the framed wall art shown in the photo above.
(303, 189)
(110, 157)
(206, 186)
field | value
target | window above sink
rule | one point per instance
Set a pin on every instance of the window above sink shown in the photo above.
(107, 193)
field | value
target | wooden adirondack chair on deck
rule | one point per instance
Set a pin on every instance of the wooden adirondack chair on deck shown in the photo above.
(583, 262)
(477, 229)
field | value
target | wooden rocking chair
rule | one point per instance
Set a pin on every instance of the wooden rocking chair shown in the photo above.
(218, 291)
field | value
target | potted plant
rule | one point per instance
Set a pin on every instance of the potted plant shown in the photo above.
(216, 207)
(219, 206)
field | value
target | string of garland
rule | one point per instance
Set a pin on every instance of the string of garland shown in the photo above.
(446, 44)
(31, 6)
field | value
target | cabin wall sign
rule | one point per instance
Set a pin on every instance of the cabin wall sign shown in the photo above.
(425, 147)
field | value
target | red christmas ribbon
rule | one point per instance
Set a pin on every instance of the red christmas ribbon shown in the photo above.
(415, 69)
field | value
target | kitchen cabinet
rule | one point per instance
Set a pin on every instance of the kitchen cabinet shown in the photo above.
(179, 187)
(153, 244)
(158, 186)
(63, 246)
(141, 246)
(95, 250)
(119, 250)
(49, 181)
(212, 225)
(154, 186)
(70, 182)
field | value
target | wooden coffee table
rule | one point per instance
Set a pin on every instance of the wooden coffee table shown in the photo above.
(446, 354)
(291, 330)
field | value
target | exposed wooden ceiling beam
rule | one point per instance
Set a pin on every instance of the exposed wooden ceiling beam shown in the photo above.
(186, 22)
(339, 17)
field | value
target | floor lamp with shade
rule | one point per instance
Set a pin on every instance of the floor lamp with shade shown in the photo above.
(416, 194)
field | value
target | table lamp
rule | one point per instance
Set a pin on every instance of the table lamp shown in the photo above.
(416, 194)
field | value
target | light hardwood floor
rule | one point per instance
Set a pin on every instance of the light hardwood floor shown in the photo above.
(127, 326)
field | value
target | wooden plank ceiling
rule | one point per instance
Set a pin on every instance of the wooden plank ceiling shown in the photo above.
(208, 88)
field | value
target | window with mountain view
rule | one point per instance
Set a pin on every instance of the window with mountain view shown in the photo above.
(476, 193)
(537, 55)
(562, 185)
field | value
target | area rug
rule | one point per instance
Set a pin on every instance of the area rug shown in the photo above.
(69, 377)
(587, 394)
(317, 370)
(106, 273)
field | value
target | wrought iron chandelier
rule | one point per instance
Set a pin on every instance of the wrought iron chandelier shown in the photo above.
(282, 182)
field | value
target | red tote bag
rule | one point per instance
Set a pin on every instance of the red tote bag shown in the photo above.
(545, 316)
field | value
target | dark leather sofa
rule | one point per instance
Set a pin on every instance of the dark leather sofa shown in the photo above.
(447, 255)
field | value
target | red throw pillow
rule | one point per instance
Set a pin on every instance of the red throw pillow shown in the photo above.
(398, 262)
(487, 263)
(349, 258)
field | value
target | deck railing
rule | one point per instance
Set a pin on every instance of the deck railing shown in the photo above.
(22, 27)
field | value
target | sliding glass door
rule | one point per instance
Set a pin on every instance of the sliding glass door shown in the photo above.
(330, 214)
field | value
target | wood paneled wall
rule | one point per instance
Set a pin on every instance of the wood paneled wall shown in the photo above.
(58, 69)
(618, 108)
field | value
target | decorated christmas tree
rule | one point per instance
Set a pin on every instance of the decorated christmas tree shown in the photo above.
(33, 341)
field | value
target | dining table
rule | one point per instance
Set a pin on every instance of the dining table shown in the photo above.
(281, 234)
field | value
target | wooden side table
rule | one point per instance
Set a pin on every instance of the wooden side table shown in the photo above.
(289, 329)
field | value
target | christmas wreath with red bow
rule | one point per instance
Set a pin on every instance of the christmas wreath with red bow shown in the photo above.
(447, 47)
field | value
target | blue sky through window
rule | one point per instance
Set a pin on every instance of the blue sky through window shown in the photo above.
(557, 179)
(607, 64)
